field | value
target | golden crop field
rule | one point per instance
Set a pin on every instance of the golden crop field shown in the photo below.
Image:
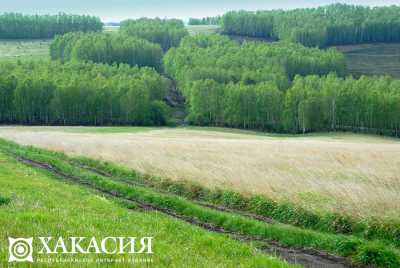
(357, 174)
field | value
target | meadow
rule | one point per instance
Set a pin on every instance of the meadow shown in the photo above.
(24, 49)
(310, 240)
(337, 172)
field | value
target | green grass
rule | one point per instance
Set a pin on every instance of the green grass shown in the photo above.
(41, 205)
(24, 49)
(373, 59)
(362, 251)
(4, 201)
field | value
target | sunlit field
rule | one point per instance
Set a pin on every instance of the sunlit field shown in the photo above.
(356, 174)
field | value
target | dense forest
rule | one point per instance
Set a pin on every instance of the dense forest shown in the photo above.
(223, 60)
(18, 26)
(330, 103)
(78, 93)
(166, 33)
(336, 24)
(106, 48)
(258, 86)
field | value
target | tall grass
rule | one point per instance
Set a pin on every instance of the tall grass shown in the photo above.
(360, 250)
(284, 212)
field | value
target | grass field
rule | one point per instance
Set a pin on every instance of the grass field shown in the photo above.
(24, 49)
(373, 59)
(203, 29)
(111, 29)
(309, 247)
(354, 174)
(41, 205)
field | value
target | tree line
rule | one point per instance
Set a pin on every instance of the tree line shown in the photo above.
(337, 24)
(259, 86)
(78, 93)
(19, 26)
(330, 103)
(205, 21)
(106, 48)
(165, 32)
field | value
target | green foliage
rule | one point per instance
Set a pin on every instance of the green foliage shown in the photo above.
(336, 24)
(368, 104)
(250, 86)
(4, 201)
(376, 254)
(166, 33)
(106, 48)
(226, 83)
(18, 26)
(77, 93)
(256, 24)
(206, 21)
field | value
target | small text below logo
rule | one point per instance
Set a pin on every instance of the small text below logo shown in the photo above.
(22, 249)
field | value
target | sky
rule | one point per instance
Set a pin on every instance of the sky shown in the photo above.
(116, 10)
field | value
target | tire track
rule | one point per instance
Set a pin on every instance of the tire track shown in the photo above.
(309, 258)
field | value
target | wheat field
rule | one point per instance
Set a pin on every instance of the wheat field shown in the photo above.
(357, 174)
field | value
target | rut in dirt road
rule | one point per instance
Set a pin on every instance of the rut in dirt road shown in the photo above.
(308, 258)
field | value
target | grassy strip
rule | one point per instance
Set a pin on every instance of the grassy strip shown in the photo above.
(43, 204)
(361, 251)
(259, 205)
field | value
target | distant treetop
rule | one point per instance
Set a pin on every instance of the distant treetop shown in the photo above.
(19, 26)
(206, 21)
(337, 24)
(165, 32)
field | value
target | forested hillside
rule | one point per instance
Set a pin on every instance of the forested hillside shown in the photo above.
(280, 87)
(337, 24)
(166, 33)
(106, 48)
(41, 92)
(18, 26)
